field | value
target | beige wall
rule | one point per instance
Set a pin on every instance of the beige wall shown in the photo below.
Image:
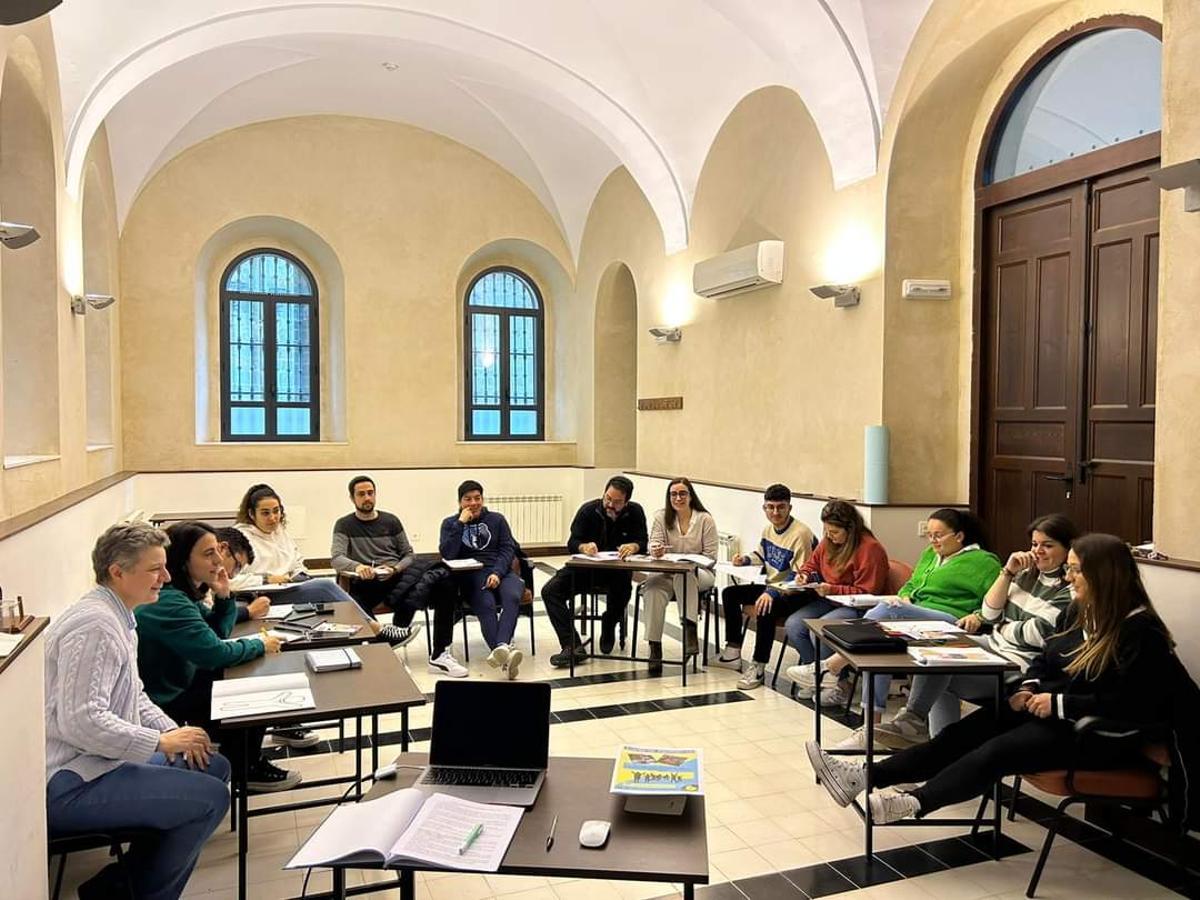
(771, 380)
(402, 211)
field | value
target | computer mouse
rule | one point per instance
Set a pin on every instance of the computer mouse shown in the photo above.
(593, 833)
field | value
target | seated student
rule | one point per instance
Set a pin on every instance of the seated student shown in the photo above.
(277, 558)
(113, 758)
(849, 560)
(613, 523)
(373, 549)
(786, 543)
(1020, 611)
(480, 534)
(949, 582)
(683, 525)
(183, 645)
(236, 554)
(1112, 658)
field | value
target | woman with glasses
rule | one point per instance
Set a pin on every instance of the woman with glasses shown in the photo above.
(683, 525)
(1021, 610)
(785, 545)
(849, 560)
(949, 582)
(1112, 657)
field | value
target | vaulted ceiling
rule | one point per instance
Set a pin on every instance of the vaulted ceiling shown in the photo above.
(558, 92)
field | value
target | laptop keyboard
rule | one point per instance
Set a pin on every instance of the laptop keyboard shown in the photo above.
(451, 777)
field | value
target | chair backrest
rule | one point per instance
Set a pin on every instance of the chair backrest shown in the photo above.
(898, 573)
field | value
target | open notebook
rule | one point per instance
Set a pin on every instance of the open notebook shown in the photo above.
(260, 695)
(412, 826)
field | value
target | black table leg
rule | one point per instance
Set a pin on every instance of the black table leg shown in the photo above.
(339, 884)
(358, 757)
(375, 740)
(571, 611)
(817, 673)
(689, 891)
(996, 799)
(404, 730)
(408, 881)
(243, 809)
(683, 656)
(869, 724)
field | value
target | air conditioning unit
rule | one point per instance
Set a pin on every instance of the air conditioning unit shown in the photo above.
(744, 269)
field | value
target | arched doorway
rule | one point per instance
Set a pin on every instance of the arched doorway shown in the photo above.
(616, 365)
(1066, 305)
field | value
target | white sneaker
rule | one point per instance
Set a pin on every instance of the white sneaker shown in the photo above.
(499, 656)
(803, 691)
(446, 664)
(844, 780)
(892, 806)
(730, 658)
(837, 695)
(753, 678)
(513, 663)
(905, 730)
(803, 674)
(856, 741)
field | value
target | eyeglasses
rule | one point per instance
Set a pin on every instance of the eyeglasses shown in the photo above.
(938, 537)
(1072, 569)
(678, 495)
(777, 507)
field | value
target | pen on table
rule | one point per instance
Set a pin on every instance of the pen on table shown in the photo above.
(550, 836)
(470, 839)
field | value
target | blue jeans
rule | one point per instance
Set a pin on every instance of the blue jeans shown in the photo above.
(937, 696)
(315, 590)
(801, 638)
(908, 611)
(483, 601)
(185, 806)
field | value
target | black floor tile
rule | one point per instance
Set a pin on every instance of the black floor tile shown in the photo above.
(953, 852)
(866, 872)
(723, 891)
(911, 861)
(642, 706)
(608, 712)
(819, 880)
(769, 887)
(983, 843)
(574, 715)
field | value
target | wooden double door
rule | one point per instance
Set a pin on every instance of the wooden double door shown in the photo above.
(1067, 357)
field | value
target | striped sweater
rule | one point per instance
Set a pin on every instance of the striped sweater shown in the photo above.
(1034, 603)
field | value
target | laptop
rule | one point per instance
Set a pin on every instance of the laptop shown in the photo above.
(490, 741)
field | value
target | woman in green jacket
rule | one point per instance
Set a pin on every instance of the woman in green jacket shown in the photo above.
(950, 580)
(183, 646)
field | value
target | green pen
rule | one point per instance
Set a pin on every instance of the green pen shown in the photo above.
(470, 839)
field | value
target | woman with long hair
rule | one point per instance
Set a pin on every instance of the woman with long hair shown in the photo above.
(1019, 612)
(1110, 658)
(184, 645)
(849, 560)
(683, 525)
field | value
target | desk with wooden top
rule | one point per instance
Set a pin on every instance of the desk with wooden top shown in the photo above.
(870, 664)
(382, 685)
(640, 847)
(342, 613)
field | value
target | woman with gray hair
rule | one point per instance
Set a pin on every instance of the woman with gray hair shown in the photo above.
(113, 758)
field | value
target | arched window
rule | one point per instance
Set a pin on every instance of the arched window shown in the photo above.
(503, 343)
(1095, 91)
(269, 372)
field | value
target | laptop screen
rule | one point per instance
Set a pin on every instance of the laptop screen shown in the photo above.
(500, 724)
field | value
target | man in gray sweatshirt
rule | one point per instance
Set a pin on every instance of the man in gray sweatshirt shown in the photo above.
(113, 758)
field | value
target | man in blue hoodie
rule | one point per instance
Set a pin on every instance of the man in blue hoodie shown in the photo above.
(480, 534)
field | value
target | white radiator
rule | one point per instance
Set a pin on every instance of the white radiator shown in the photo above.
(534, 518)
(728, 546)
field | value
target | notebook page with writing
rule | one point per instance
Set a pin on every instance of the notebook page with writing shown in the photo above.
(442, 825)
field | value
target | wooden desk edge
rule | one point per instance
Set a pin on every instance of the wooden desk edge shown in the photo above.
(28, 636)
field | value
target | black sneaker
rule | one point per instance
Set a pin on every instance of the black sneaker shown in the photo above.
(298, 738)
(399, 636)
(266, 777)
(562, 659)
(109, 882)
(655, 666)
(608, 635)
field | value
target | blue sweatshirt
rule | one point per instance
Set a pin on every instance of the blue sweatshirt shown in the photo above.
(487, 539)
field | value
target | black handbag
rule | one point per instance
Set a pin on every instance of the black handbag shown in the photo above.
(863, 637)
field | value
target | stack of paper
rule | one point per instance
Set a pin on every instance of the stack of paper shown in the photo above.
(602, 556)
(922, 631)
(278, 611)
(261, 695)
(460, 564)
(954, 656)
(858, 601)
(698, 558)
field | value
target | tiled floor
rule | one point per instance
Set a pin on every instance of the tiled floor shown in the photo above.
(772, 832)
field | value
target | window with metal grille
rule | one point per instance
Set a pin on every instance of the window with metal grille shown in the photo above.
(269, 349)
(504, 350)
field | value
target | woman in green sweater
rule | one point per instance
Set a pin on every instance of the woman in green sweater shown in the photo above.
(183, 646)
(951, 578)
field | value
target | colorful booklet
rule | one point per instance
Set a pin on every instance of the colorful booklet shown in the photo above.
(954, 656)
(654, 771)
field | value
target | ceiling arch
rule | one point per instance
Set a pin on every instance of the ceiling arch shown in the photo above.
(558, 93)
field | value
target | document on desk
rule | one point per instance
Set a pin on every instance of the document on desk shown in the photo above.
(261, 695)
(602, 556)
(922, 631)
(746, 574)
(954, 656)
(9, 643)
(698, 558)
(278, 611)
(856, 601)
(462, 564)
(411, 826)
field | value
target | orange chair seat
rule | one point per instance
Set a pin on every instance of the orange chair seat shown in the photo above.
(1133, 783)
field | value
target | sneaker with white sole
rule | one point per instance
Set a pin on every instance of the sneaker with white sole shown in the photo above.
(856, 741)
(265, 777)
(730, 658)
(801, 674)
(399, 636)
(513, 663)
(445, 664)
(803, 691)
(297, 738)
(843, 780)
(499, 656)
(835, 695)
(892, 806)
(753, 677)
(907, 729)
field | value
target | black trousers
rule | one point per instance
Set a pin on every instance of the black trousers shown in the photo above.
(616, 586)
(735, 599)
(966, 758)
(370, 592)
(194, 707)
